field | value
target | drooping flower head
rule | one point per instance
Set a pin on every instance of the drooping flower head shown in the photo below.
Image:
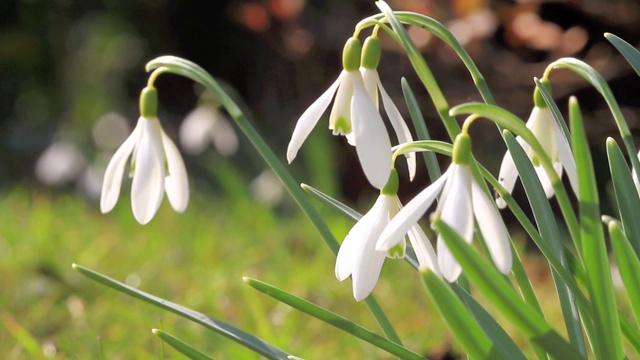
(556, 146)
(156, 166)
(370, 60)
(353, 115)
(358, 256)
(462, 199)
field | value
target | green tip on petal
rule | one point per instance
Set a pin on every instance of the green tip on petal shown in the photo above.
(351, 54)
(149, 102)
(398, 251)
(538, 100)
(462, 149)
(392, 185)
(371, 51)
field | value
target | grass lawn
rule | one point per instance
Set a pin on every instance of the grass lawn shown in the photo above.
(196, 259)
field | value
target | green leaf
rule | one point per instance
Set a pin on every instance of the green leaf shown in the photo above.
(258, 345)
(496, 333)
(181, 346)
(629, 52)
(499, 292)
(421, 129)
(331, 318)
(328, 200)
(550, 234)
(628, 264)
(626, 193)
(608, 338)
(463, 326)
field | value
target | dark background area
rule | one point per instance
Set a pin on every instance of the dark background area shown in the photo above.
(66, 63)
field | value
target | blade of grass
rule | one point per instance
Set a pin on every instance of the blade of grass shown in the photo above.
(463, 326)
(496, 288)
(258, 345)
(626, 193)
(331, 318)
(22, 336)
(628, 264)
(608, 338)
(181, 346)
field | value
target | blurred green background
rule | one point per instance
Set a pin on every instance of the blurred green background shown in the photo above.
(70, 75)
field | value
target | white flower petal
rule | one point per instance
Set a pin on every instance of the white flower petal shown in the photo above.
(341, 110)
(425, 253)
(309, 119)
(545, 181)
(507, 177)
(457, 212)
(147, 189)
(115, 171)
(409, 215)
(449, 267)
(372, 141)
(492, 228)
(370, 79)
(176, 183)
(368, 265)
(399, 126)
(566, 157)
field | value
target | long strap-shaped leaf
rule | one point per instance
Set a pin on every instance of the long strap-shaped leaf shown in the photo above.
(332, 318)
(181, 346)
(465, 329)
(628, 264)
(608, 339)
(258, 345)
(495, 287)
(626, 193)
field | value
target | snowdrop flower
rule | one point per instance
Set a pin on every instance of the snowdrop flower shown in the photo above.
(371, 51)
(358, 255)
(461, 201)
(548, 133)
(353, 115)
(156, 166)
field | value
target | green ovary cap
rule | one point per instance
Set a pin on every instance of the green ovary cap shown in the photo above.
(462, 149)
(351, 54)
(392, 185)
(371, 51)
(538, 100)
(149, 102)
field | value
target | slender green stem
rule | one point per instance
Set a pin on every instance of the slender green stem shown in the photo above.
(599, 83)
(423, 71)
(194, 72)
